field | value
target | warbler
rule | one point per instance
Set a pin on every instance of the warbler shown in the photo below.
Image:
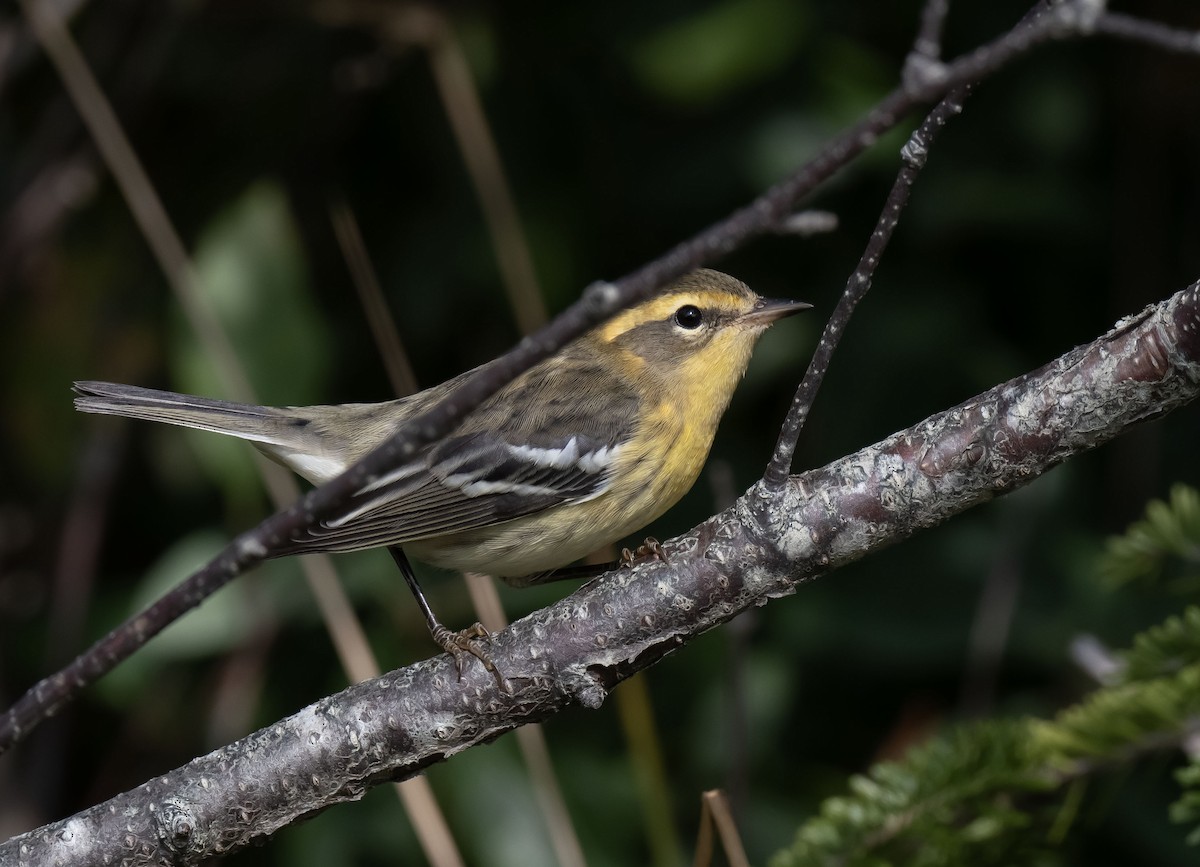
(579, 451)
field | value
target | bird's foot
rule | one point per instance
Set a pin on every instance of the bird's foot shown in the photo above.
(651, 549)
(465, 643)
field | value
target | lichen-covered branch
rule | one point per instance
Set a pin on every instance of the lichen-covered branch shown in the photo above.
(574, 652)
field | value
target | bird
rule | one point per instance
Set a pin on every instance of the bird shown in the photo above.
(583, 449)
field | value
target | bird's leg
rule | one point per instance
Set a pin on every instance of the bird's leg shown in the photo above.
(458, 644)
(651, 549)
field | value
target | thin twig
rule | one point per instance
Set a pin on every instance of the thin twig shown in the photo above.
(994, 611)
(716, 810)
(933, 20)
(426, 26)
(924, 60)
(79, 545)
(1149, 33)
(370, 295)
(168, 248)
(452, 76)
(635, 712)
(914, 153)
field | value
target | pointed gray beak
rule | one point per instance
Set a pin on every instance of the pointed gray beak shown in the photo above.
(767, 310)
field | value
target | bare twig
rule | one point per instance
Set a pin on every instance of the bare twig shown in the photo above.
(168, 248)
(370, 295)
(1149, 33)
(914, 153)
(426, 26)
(994, 612)
(553, 805)
(474, 136)
(715, 813)
(82, 532)
(925, 58)
(933, 20)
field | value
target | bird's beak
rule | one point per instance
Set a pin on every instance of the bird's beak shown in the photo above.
(767, 310)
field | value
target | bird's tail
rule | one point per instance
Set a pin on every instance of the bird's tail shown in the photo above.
(250, 422)
(284, 434)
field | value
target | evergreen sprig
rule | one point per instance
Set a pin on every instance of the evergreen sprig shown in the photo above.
(1119, 722)
(954, 800)
(999, 792)
(1162, 547)
(1186, 810)
(1164, 649)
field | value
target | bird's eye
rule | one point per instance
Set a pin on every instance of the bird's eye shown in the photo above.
(689, 316)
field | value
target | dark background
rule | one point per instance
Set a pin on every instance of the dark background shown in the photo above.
(1064, 198)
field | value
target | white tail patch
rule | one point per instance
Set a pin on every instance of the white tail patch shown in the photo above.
(318, 469)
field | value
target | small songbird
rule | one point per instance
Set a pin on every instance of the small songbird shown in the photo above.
(579, 451)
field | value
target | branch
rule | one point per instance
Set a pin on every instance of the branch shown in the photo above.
(577, 650)
(922, 63)
(1064, 20)
(915, 152)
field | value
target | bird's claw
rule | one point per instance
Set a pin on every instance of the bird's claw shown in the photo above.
(467, 643)
(651, 549)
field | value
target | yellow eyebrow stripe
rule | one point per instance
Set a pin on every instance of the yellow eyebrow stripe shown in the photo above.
(660, 308)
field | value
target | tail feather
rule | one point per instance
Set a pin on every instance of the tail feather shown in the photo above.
(286, 435)
(261, 424)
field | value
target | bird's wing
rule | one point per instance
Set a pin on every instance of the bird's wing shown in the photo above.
(465, 483)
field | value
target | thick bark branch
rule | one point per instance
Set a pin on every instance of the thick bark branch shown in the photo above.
(577, 650)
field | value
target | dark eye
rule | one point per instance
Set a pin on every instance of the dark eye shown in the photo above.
(689, 316)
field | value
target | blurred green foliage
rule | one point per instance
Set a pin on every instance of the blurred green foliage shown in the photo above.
(1166, 541)
(700, 59)
(1063, 198)
(252, 259)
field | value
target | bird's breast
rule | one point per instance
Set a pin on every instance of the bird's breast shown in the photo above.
(654, 469)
